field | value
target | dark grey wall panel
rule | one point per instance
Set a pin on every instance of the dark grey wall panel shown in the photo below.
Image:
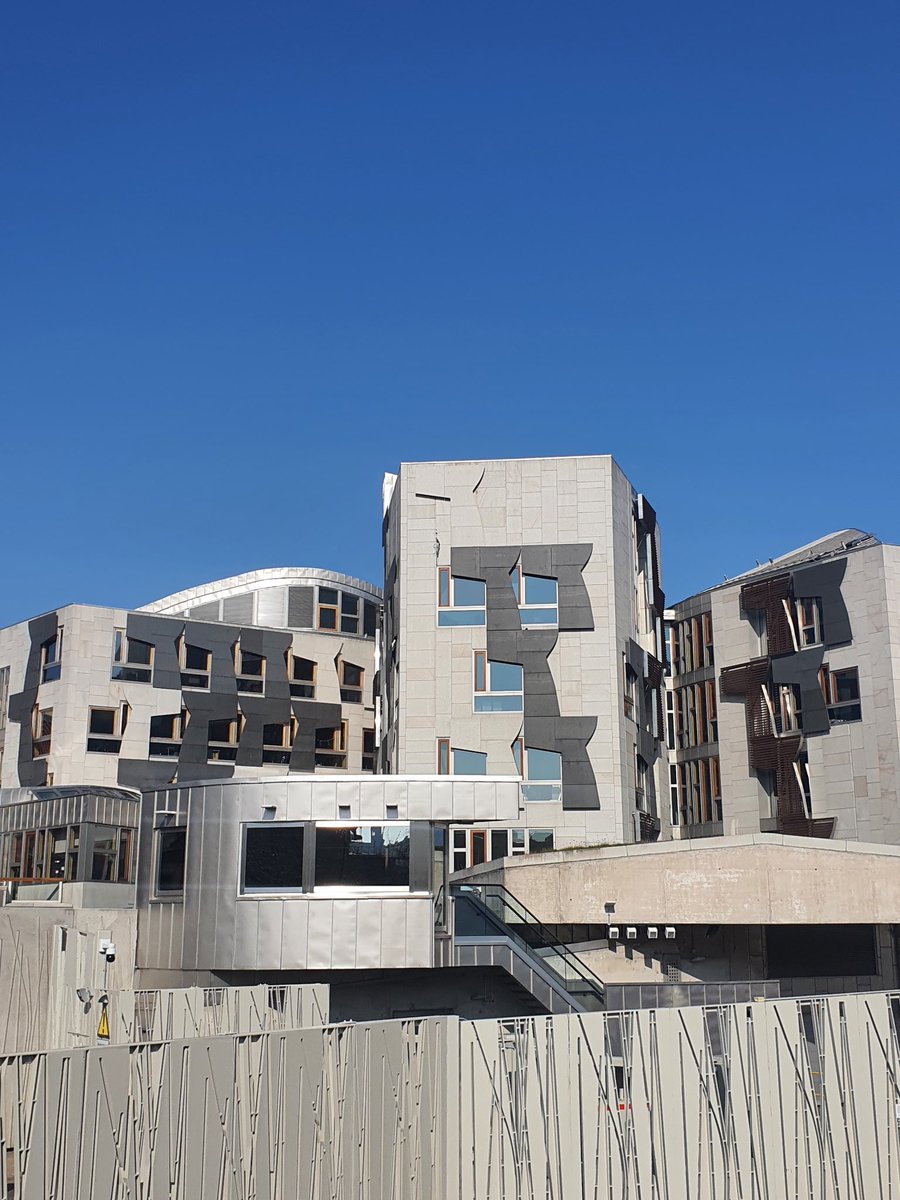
(146, 773)
(825, 579)
(300, 607)
(802, 670)
(311, 715)
(162, 633)
(32, 771)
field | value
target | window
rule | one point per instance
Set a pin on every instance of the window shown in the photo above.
(349, 613)
(327, 611)
(640, 783)
(537, 597)
(195, 665)
(630, 698)
(367, 856)
(351, 682)
(331, 745)
(368, 750)
(41, 731)
(443, 756)
(171, 845)
(51, 655)
(250, 670)
(808, 613)
(542, 771)
(277, 742)
(468, 762)
(784, 707)
(461, 601)
(273, 857)
(539, 840)
(222, 740)
(498, 685)
(105, 729)
(370, 619)
(841, 692)
(166, 733)
(111, 860)
(302, 677)
(132, 660)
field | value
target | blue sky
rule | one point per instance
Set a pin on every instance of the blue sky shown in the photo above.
(254, 255)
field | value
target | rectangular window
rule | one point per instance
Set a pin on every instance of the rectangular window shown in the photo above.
(518, 841)
(250, 670)
(273, 857)
(469, 762)
(132, 659)
(105, 860)
(331, 746)
(195, 665)
(351, 682)
(166, 734)
(302, 677)
(461, 601)
(51, 658)
(362, 856)
(222, 740)
(349, 613)
(368, 750)
(57, 853)
(539, 840)
(543, 772)
(327, 609)
(277, 742)
(787, 716)
(538, 600)
(41, 731)
(504, 686)
(171, 845)
(443, 756)
(105, 729)
(630, 697)
(841, 692)
(370, 619)
(808, 614)
(499, 843)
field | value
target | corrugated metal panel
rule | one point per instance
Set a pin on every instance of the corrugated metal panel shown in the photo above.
(206, 612)
(238, 610)
(300, 607)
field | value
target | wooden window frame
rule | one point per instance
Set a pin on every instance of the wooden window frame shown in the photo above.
(183, 646)
(328, 607)
(37, 731)
(243, 676)
(445, 588)
(443, 756)
(347, 687)
(55, 664)
(480, 665)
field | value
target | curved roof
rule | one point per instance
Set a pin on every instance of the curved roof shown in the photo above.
(254, 581)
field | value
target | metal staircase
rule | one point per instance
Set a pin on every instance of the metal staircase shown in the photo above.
(492, 928)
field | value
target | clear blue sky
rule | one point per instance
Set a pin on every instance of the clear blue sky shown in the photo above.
(256, 254)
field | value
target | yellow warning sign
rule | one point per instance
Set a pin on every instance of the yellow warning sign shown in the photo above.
(103, 1027)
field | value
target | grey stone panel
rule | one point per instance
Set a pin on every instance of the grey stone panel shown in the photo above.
(32, 771)
(803, 670)
(824, 579)
(235, 609)
(206, 612)
(311, 715)
(301, 607)
(162, 633)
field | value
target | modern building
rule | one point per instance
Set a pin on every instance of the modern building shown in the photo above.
(523, 633)
(784, 697)
(244, 677)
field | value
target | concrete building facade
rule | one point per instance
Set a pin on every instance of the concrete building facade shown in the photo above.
(523, 632)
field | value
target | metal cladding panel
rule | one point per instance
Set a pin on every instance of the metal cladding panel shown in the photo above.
(271, 607)
(825, 579)
(205, 612)
(295, 935)
(246, 936)
(803, 670)
(300, 607)
(238, 610)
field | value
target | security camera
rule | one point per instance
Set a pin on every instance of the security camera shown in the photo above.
(108, 949)
(85, 995)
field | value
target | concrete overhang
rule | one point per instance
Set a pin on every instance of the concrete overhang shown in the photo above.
(761, 879)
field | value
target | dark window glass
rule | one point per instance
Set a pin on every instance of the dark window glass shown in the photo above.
(273, 735)
(499, 843)
(539, 840)
(106, 847)
(104, 745)
(273, 857)
(139, 652)
(196, 659)
(362, 856)
(352, 675)
(220, 731)
(369, 619)
(251, 664)
(163, 727)
(349, 604)
(171, 846)
(327, 596)
(479, 847)
(368, 741)
(327, 618)
(304, 669)
(103, 720)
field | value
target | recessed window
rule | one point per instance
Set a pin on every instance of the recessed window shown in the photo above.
(537, 597)
(539, 840)
(41, 731)
(250, 670)
(223, 738)
(349, 613)
(784, 708)
(327, 609)
(368, 750)
(370, 619)
(277, 742)
(166, 734)
(171, 845)
(111, 855)
(273, 857)
(841, 692)
(461, 601)
(196, 664)
(468, 762)
(105, 729)
(498, 685)
(808, 614)
(132, 659)
(351, 682)
(542, 776)
(302, 677)
(51, 656)
(331, 745)
(630, 698)
(362, 856)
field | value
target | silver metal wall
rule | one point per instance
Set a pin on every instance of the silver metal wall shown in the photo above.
(765, 1101)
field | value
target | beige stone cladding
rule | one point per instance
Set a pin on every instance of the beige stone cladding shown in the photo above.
(436, 507)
